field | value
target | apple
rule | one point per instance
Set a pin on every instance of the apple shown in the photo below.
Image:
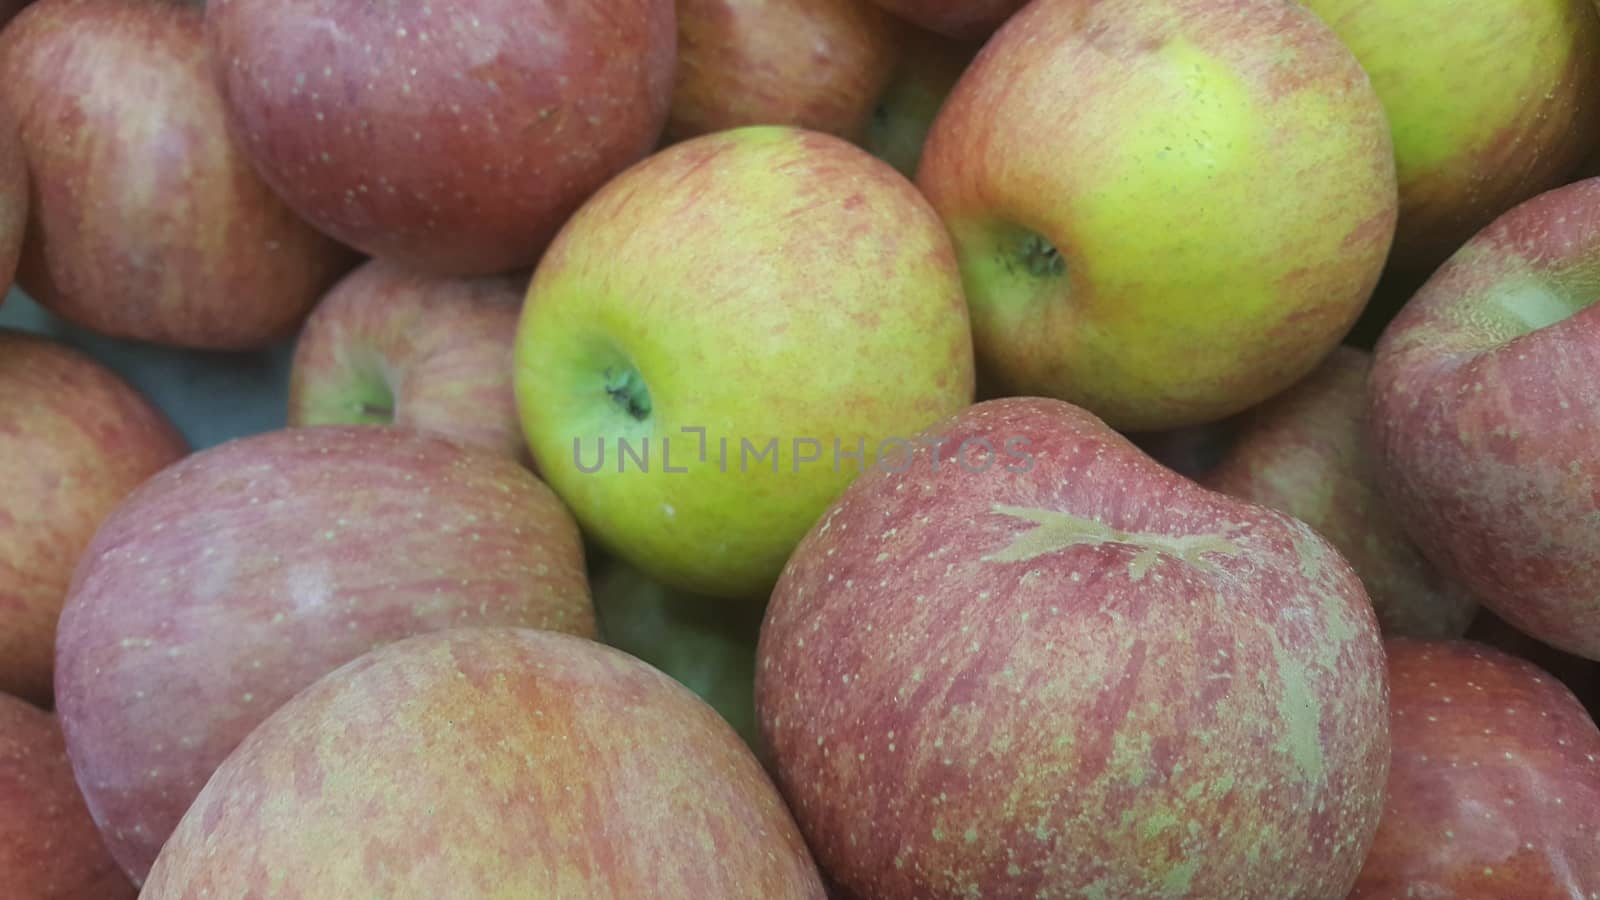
(708, 645)
(13, 200)
(490, 762)
(49, 848)
(1166, 211)
(454, 139)
(75, 439)
(1581, 676)
(147, 222)
(1303, 452)
(389, 345)
(960, 19)
(1029, 661)
(818, 64)
(1485, 412)
(1492, 790)
(928, 67)
(724, 336)
(237, 577)
(1489, 103)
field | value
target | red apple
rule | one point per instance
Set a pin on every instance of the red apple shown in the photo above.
(389, 345)
(13, 199)
(1581, 676)
(75, 439)
(1492, 789)
(817, 64)
(1025, 660)
(961, 19)
(1485, 416)
(49, 848)
(453, 138)
(481, 763)
(1303, 452)
(239, 576)
(147, 222)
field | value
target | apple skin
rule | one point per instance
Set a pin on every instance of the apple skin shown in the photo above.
(959, 19)
(1166, 211)
(485, 763)
(1492, 789)
(818, 64)
(707, 644)
(1484, 416)
(49, 847)
(239, 576)
(1581, 676)
(927, 69)
(1303, 452)
(1469, 147)
(389, 345)
(765, 284)
(76, 439)
(13, 199)
(1076, 674)
(147, 222)
(454, 143)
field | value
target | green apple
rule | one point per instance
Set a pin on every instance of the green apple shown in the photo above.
(1490, 102)
(1166, 211)
(724, 336)
(705, 644)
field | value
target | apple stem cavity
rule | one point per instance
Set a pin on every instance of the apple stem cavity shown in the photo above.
(1039, 256)
(628, 391)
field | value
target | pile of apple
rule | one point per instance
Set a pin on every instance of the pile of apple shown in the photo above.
(875, 449)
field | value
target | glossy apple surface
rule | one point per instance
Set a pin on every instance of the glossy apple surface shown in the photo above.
(1034, 662)
(488, 763)
(75, 440)
(1485, 415)
(1304, 452)
(752, 312)
(1494, 782)
(147, 221)
(230, 581)
(452, 138)
(391, 346)
(49, 847)
(1165, 212)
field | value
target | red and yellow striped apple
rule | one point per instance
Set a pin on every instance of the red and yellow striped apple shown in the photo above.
(1166, 211)
(146, 220)
(743, 309)
(49, 847)
(75, 439)
(392, 346)
(232, 580)
(1032, 662)
(485, 763)
(453, 138)
(1485, 416)
(1489, 103)
(1304, 452)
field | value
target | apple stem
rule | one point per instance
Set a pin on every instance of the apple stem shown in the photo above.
(1041, 257)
